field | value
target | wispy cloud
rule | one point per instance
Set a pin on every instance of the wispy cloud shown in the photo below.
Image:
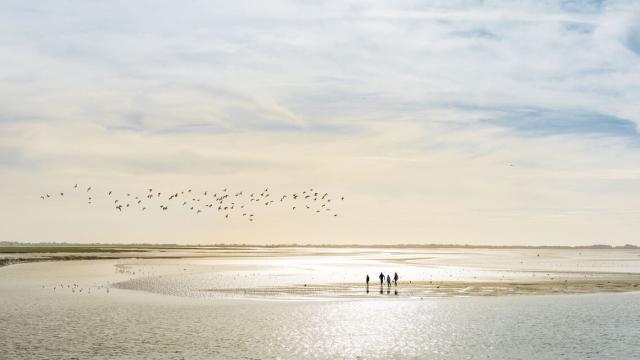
(417, 108)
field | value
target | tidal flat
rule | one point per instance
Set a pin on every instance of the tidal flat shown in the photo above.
(314, 303)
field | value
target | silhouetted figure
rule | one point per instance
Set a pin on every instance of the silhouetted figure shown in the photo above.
(395, 279)
(367, 279)
(388, 281)
(381, 279)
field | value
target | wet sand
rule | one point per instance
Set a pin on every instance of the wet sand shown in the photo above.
(312, 303)
(314, 273)
(442, 289)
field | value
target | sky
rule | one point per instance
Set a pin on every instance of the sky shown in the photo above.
(466, 122)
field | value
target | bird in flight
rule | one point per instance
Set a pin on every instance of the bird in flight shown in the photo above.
(200, 202)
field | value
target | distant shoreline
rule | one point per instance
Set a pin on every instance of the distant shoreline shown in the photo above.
(113, 247)
(14, 261)
(10, 252)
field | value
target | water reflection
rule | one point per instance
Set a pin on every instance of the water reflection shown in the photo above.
(38, 322)
(442, 329)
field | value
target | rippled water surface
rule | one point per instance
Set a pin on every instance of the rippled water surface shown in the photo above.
(526, 327)
(66, 310)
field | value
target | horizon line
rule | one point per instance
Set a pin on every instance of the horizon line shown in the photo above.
(325, 245)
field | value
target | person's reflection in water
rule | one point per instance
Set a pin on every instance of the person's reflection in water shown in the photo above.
(380, 289)
(388, 291)
(395, 292)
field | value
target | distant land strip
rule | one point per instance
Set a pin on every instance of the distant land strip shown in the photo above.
(106, 247)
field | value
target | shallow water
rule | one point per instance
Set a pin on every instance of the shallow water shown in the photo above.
(79, 309)
(130, 327)
(340, 272)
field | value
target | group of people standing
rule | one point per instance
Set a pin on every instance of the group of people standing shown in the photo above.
(382, 277)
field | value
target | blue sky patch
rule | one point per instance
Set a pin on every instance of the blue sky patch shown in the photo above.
(558, 122)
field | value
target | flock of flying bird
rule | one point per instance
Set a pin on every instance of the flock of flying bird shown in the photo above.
(223, 202)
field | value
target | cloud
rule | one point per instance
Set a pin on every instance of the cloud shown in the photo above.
(416, 108)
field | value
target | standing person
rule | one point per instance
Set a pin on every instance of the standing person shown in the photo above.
(395, 279)
(388, 280)
(381, 279)
(367, 280)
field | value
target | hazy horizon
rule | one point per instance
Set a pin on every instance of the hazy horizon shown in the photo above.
(456, 122)
(80, 246)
